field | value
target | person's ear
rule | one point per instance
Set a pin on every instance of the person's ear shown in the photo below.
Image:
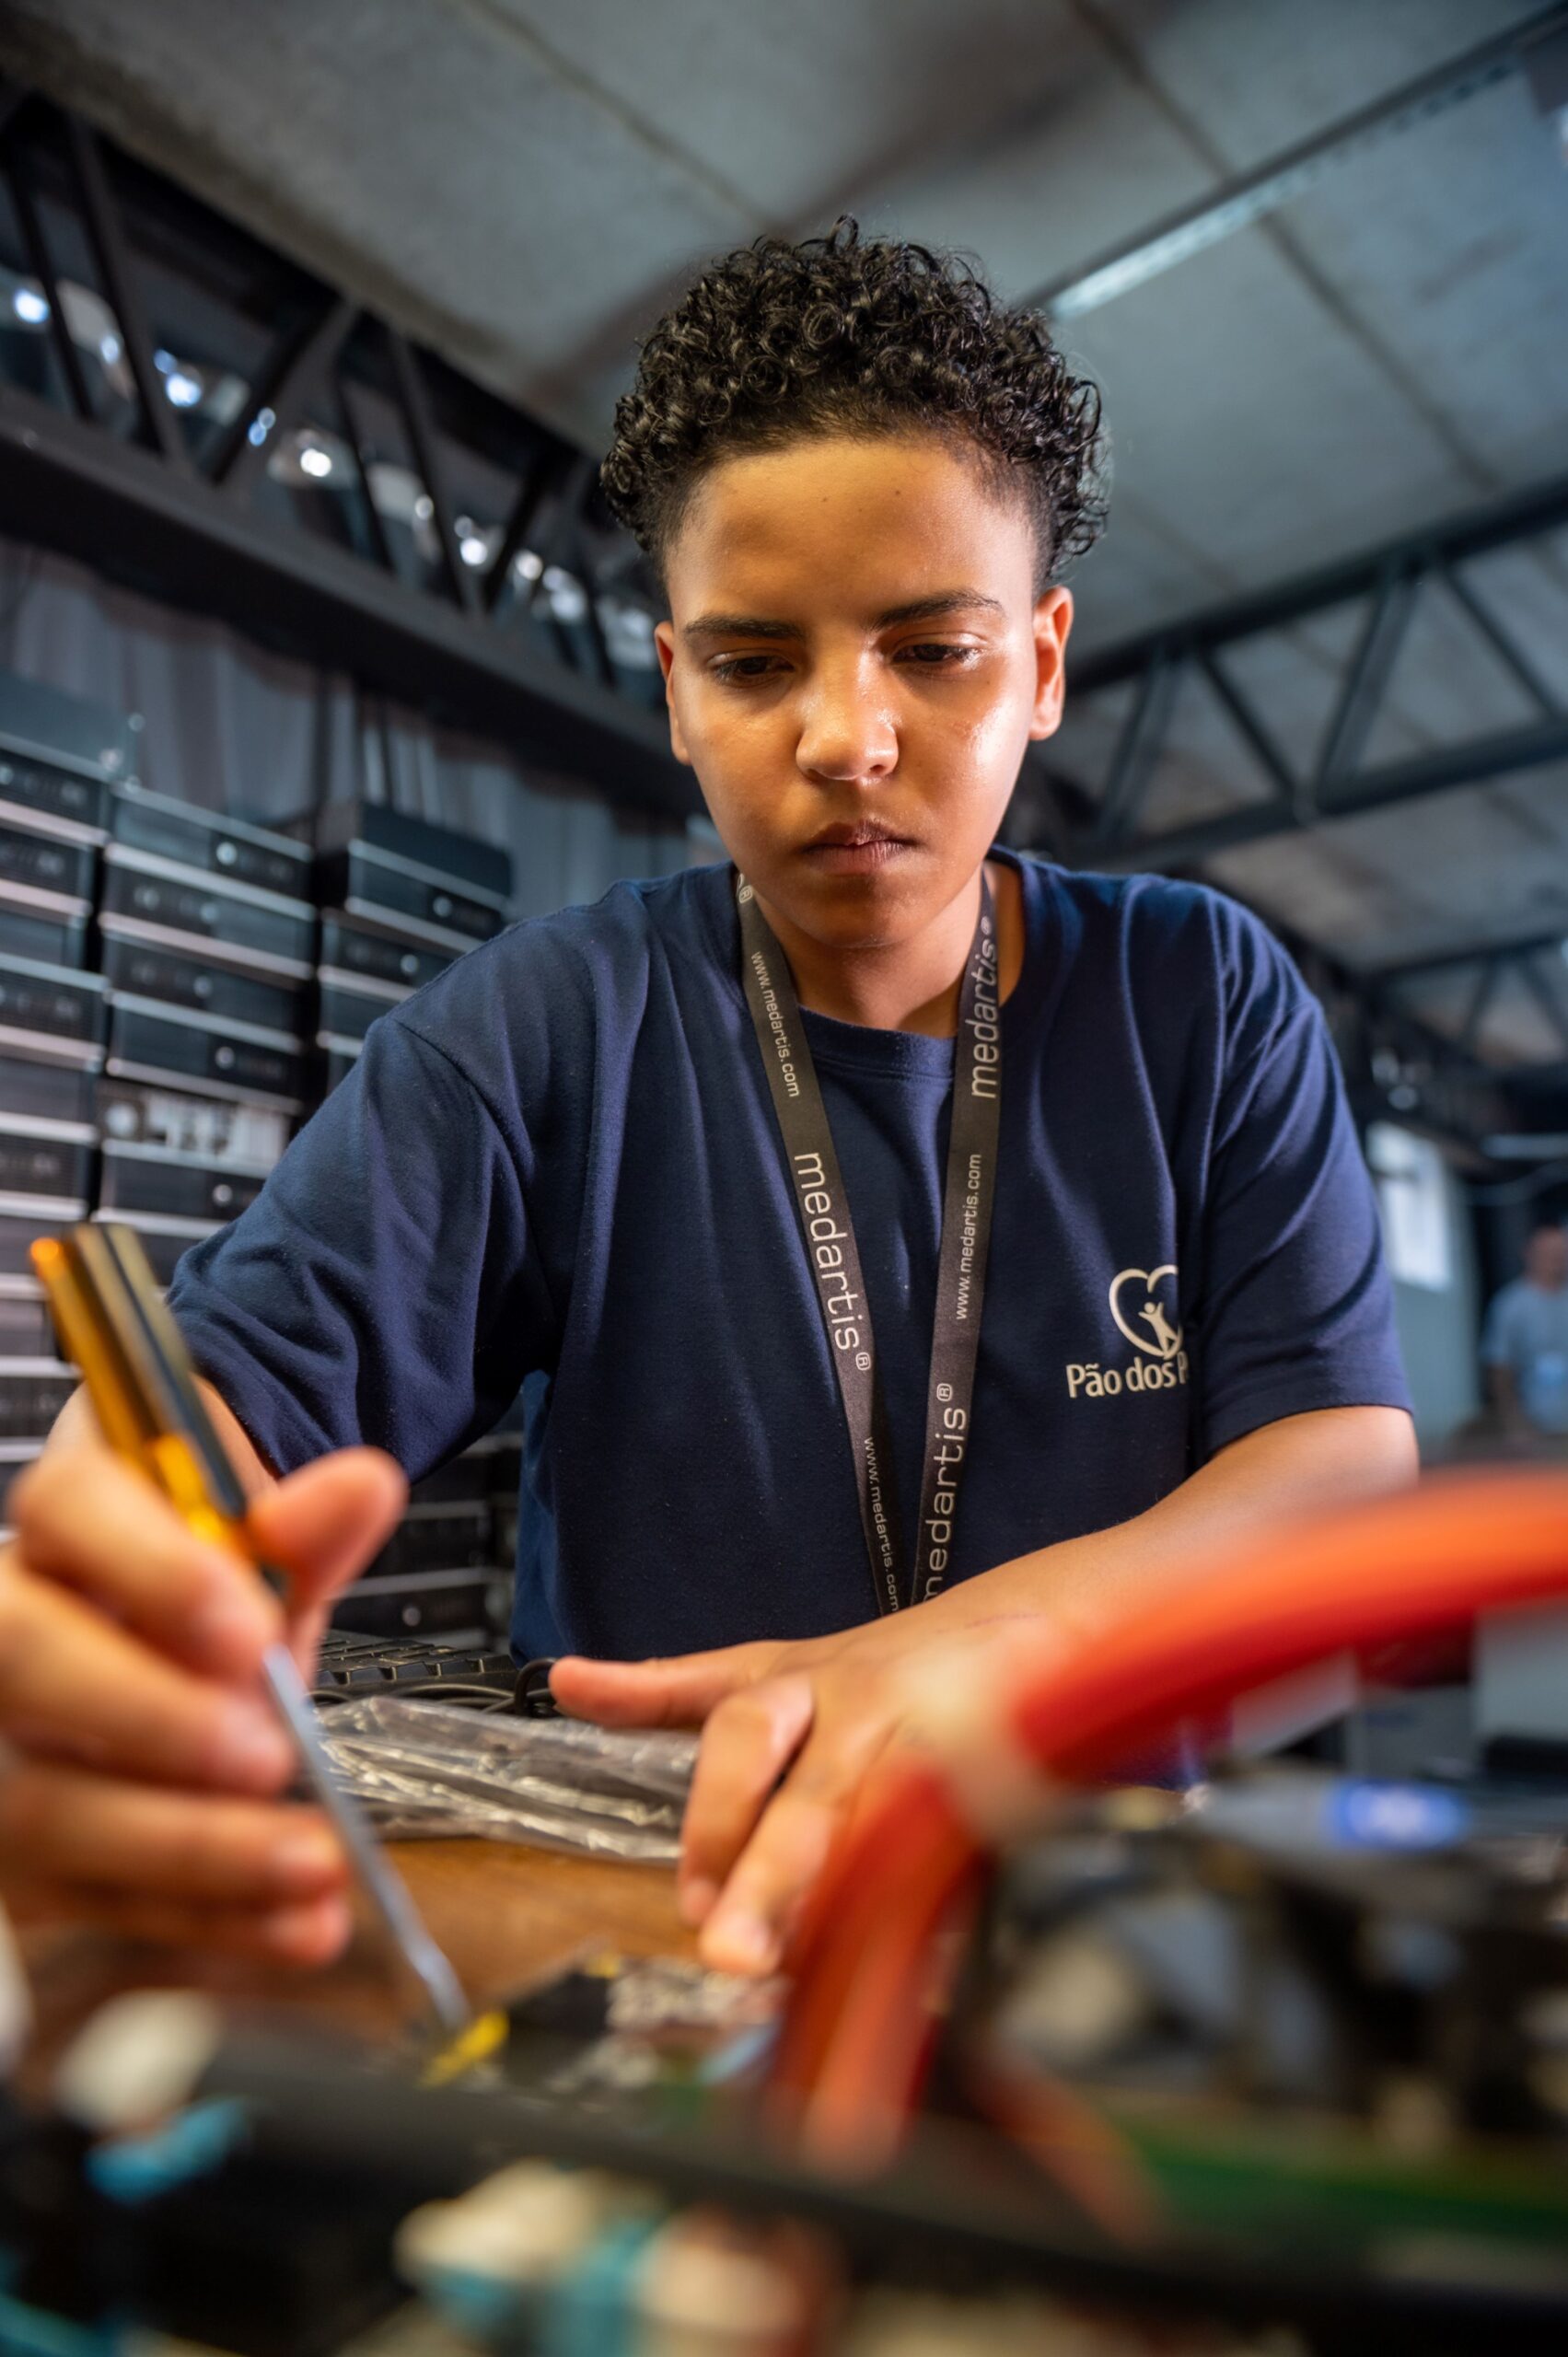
(1052, 620)
(664, 639)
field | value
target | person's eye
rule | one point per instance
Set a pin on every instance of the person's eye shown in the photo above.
(743, 670)
(939, 654)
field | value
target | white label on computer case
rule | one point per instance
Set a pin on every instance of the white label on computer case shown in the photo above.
(211, 1130)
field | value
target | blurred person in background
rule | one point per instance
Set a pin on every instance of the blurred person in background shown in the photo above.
(1525, 1346)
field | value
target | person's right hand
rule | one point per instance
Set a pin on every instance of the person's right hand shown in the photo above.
(140, 1758)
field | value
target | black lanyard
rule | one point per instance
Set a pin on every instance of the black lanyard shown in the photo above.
(828, 1232)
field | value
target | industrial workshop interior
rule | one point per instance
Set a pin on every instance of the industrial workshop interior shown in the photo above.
(783, 1178)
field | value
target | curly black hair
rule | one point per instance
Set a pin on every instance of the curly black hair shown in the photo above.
(865, 336)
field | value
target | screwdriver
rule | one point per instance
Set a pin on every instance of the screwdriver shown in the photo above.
(113, 1323)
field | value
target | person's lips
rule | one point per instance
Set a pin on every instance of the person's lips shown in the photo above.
(855, 847)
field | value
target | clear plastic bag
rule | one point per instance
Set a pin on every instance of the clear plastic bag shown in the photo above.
(557, 1783)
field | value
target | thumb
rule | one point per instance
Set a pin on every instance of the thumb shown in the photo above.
(323, 1523)
(676, 1693)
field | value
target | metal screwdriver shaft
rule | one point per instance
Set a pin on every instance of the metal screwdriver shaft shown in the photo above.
(379, 1878)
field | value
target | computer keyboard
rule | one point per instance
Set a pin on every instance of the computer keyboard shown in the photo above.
(350, 1667)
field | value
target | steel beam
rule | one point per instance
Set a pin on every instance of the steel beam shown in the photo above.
(427, 458)
(1451, 541)
(1545, 997)
(569, 551)
(298, 365)
(1443, 961)
(1365, 683)
(1137, 751)
(562, 546)
(1494, 961)
(1250, 726)
(1388, 579)
(1379, 789)
(1247, 197)
(1514, 661)
(349, 429)
(604, 662)
(101, 220)
(69, 486)
(31, 226)
(560, 537)
(1485, 990)
(518, 525)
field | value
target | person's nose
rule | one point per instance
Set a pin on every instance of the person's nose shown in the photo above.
(847, 737)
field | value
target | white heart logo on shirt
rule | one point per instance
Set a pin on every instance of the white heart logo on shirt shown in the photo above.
(1162, 1340)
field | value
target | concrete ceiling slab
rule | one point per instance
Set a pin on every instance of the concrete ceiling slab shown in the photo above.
(1251, 79)
(797, 111)
(1455, 269)
(1306, 449)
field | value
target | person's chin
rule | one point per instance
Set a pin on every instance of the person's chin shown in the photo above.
(863, 907)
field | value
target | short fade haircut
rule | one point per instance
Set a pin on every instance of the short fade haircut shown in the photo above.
(843, 334)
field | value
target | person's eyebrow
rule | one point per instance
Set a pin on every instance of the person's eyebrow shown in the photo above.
(944, 601)
(917, 609)
(738, 626)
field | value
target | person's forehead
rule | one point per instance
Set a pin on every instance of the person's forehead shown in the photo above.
(884, 519)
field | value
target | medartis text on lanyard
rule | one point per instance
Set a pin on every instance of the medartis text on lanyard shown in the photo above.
(822, 1206)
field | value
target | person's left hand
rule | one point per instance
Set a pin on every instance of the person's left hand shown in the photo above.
(792, 1731)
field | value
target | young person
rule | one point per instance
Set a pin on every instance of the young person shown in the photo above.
(878, 1221)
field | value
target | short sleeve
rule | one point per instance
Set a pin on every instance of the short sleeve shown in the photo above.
(1296, 1311)
(382, 1287)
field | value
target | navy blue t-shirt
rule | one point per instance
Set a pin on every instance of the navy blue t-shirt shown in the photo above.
(556, 1168)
